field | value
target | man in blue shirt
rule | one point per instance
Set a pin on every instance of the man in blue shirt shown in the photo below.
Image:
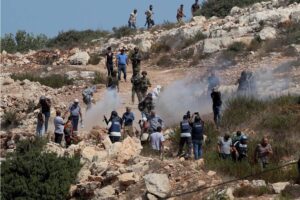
(122, 62)
(128, 118)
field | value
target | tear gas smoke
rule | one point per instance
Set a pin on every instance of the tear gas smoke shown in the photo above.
(94, 116)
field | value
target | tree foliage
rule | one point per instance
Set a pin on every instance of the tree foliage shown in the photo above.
(30, 174)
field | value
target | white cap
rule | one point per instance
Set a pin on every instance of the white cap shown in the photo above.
(76, 101)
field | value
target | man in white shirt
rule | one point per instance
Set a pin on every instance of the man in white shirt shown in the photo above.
(157, 141)
(132, 19)
(59, 127)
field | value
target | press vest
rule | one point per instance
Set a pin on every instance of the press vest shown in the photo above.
(185, 129)
(197, 131)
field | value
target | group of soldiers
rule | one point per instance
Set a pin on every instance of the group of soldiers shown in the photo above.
(149, 15)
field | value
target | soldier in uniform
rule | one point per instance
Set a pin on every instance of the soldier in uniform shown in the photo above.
(136, 80)
(144, 84)
(136, 61)
(146, 106)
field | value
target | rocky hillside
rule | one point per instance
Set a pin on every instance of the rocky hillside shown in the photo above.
(262, 38)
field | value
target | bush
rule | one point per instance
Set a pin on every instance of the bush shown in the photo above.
(73, 38)
(123, 31)
(237, 47)
(165, 61)
(23, 42)
(99, 78)
(53, 80)
(94, 59)
(221, 8)
(160, 47)
(10, 119)
(30, 174)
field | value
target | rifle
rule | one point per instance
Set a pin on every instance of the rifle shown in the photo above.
(105, 119)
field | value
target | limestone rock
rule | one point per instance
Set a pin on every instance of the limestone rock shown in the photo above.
(211, 173)
(79, 58)
(267, 33)
(295, 17)
(157, 184)
(128, 179)
(98, 168)
(52, 147)
(93, 153)
(278, 187)
(258, 183)
(235, 10)
(104, 193)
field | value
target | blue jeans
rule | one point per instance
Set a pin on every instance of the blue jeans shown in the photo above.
(47, 117)
(75, 120)
(217, 115)
(121, 68)
(197, 147)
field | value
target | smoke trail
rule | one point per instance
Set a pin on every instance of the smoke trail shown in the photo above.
(181, 96)
(94, 116)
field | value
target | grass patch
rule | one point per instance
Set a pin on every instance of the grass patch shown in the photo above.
(99, 78)
(249, 190)
(123, 31)
(53, 80)
(165, 61)
(30, 174)
(10, 119)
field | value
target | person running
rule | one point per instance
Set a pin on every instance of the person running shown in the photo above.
(195, 7)
(68, 131)
(58, 127)
(149, 17)
(113, 82)
(217, 104)
(128, 118)
(45, 105)
(262, 153)
(40, 128)
(224, 146)
(136, 61)
(180, 14)
(75, 112)
(135, 80)
(197, 137)
(132, 19)
(185, 137)
(144, 84)
(122, 62)
(109, 61)
(114, 125)
(157, 142)
(240, 149)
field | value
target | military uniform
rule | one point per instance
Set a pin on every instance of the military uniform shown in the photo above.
(146, 106)
(135, 80)
(136, 63)
(144, 84)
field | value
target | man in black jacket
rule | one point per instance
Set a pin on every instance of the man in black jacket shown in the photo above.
(217, 104)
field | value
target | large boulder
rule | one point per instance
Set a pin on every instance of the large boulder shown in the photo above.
(93, 153)
(267, 33)
(199, 19)
(128, 179)
(52, 147)
(144, 45)
(79, 58)
(158, 184)
(128, 149)
(235, 10)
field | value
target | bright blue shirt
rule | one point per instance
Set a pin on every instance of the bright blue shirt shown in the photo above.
(122, 59)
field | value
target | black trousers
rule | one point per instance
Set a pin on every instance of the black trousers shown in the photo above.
(114, 139)
(58, 138)
(188, 142)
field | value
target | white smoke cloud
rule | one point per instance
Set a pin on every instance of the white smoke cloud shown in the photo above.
(109, 102)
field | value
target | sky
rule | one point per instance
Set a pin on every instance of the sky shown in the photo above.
(52, 16)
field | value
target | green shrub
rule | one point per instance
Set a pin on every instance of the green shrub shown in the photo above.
(237, 47)
(30, 174)
(99, 78)
(94, 59)
(73, 38)
(10, 119)
(123, 31)
(23, 42)
(165, 61)
(53, 80)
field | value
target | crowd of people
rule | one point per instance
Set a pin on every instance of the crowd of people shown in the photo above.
(195, 8)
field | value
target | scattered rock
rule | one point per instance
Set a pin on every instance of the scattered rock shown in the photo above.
(151, 196)
(104, 193)
(157, 184)
(211, 173)
(128, 179)
(79, 58)
(278, 187)
(259, 183)
(267, 33)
